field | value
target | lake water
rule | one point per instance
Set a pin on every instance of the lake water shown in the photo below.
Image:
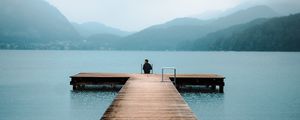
(34, 85)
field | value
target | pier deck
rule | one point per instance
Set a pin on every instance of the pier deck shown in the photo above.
(144, 96)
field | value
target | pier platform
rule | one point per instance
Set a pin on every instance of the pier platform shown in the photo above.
(79, 81)
(146, 96)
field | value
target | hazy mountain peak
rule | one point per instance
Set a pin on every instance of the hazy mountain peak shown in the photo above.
(93, 24)
(90, 28)
(185, 21)
(215, 14)
(259, 10)
(244, 16)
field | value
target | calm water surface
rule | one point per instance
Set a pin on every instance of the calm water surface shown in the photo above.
(259, 85)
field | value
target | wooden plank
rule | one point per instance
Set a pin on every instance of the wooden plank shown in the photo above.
(146, 97)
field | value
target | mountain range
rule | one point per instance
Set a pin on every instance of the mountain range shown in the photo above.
(167, 36)
(38, 25)
(91, 28)
(34, 24)
(275, 34)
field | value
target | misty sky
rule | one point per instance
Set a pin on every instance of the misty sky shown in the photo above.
(134, 15)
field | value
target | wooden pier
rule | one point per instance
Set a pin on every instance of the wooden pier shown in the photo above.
(145, 96)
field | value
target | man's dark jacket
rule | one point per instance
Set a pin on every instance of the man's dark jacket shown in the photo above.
(147, 67)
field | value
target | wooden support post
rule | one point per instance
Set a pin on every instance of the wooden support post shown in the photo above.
(221, 89)
(75, 87)
(82, 86)
(213, 87)
(178, 86)
(113, 85)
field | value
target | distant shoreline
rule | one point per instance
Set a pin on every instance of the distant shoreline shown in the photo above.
(132, 50)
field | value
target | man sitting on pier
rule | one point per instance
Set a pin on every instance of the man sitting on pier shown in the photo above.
(147, 67)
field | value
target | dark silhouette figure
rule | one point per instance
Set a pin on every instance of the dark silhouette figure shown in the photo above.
(147, 67)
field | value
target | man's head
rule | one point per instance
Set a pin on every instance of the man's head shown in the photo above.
(146, 60)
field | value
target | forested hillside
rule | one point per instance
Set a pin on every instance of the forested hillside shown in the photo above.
(34, 24)
(276, 34)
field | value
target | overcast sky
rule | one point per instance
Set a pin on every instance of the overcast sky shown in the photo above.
(134, 15)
